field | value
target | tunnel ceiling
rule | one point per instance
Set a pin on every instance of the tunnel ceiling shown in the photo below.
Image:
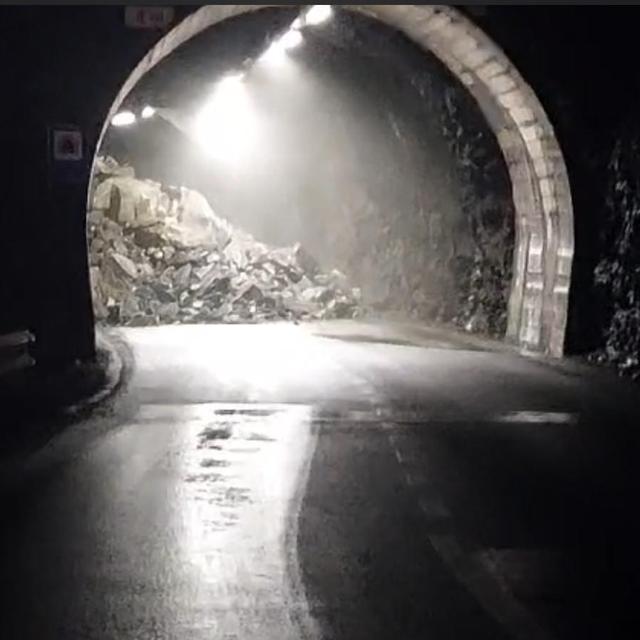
(187, 76)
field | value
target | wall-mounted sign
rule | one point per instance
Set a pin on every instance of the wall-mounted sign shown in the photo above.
(67, 157)
(148, 17)
(67, 145)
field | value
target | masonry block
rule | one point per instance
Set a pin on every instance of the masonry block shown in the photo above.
(531, 132)
(436, 23)
(546, 187)
(475, 58)
(512, 99)
(522, 115)
(535, 148)
(463, 44)
(491, 69)
(501, 84)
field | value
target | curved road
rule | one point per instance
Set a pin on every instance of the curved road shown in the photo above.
(336, 482)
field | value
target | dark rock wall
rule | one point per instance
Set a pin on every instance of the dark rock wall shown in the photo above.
(617, 275)
(582, 63)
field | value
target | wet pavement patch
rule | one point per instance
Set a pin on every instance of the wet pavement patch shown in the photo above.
(219, 432)
(213, 462)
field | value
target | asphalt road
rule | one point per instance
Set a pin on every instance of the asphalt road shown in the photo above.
(336, 482)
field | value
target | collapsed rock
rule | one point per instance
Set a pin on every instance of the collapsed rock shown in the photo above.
(161, 255)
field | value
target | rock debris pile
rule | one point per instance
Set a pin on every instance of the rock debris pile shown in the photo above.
(160, 255)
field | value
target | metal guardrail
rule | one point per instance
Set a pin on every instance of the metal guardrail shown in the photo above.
(14, 351)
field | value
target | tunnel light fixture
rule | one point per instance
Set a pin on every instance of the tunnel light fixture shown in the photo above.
(123, 119)
(225, 126)
(230, 82)
(291, 39)
(318, 14)
(275, 54)
(148, 112)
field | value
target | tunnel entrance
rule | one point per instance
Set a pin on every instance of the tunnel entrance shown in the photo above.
(442, 198)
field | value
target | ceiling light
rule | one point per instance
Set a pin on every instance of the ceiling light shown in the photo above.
(148, 112)
(318, 13)
(291, 39)
(275, 54)
(226, 126)
(123, 119)
(230, 81)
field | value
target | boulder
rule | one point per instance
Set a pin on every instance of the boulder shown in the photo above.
(182, 276)
(305, 260)
(249, 292)
(168, 311)
(107, 166)
(102, 196)
(122, 266)
(146, 238)
(127, 200)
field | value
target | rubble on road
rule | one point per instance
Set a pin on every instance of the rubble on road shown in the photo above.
(160, 255)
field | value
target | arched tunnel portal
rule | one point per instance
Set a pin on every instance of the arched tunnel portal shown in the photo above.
(537, 306)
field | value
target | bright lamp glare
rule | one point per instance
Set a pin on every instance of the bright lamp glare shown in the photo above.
(148, 112)
(290, 39)
(231, 82)
(225, 127)
(275, 54)
(318, 13)
(123, 119)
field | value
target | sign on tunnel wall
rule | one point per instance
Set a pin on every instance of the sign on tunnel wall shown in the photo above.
(148, 17)
(66, 156)
(67, 144)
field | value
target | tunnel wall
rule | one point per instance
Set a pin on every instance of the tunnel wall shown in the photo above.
(56, 72)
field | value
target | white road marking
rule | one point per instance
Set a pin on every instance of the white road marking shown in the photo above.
(496, 600)
(471, 569)
(537, 417)
(403, 419)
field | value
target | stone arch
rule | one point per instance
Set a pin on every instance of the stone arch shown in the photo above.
(538, 302)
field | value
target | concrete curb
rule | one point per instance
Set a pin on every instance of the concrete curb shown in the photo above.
(114, 374)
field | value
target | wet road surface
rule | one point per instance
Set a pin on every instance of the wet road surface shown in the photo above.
(266, 482)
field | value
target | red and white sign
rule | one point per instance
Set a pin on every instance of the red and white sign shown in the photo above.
(67, 144)
(148, 17)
